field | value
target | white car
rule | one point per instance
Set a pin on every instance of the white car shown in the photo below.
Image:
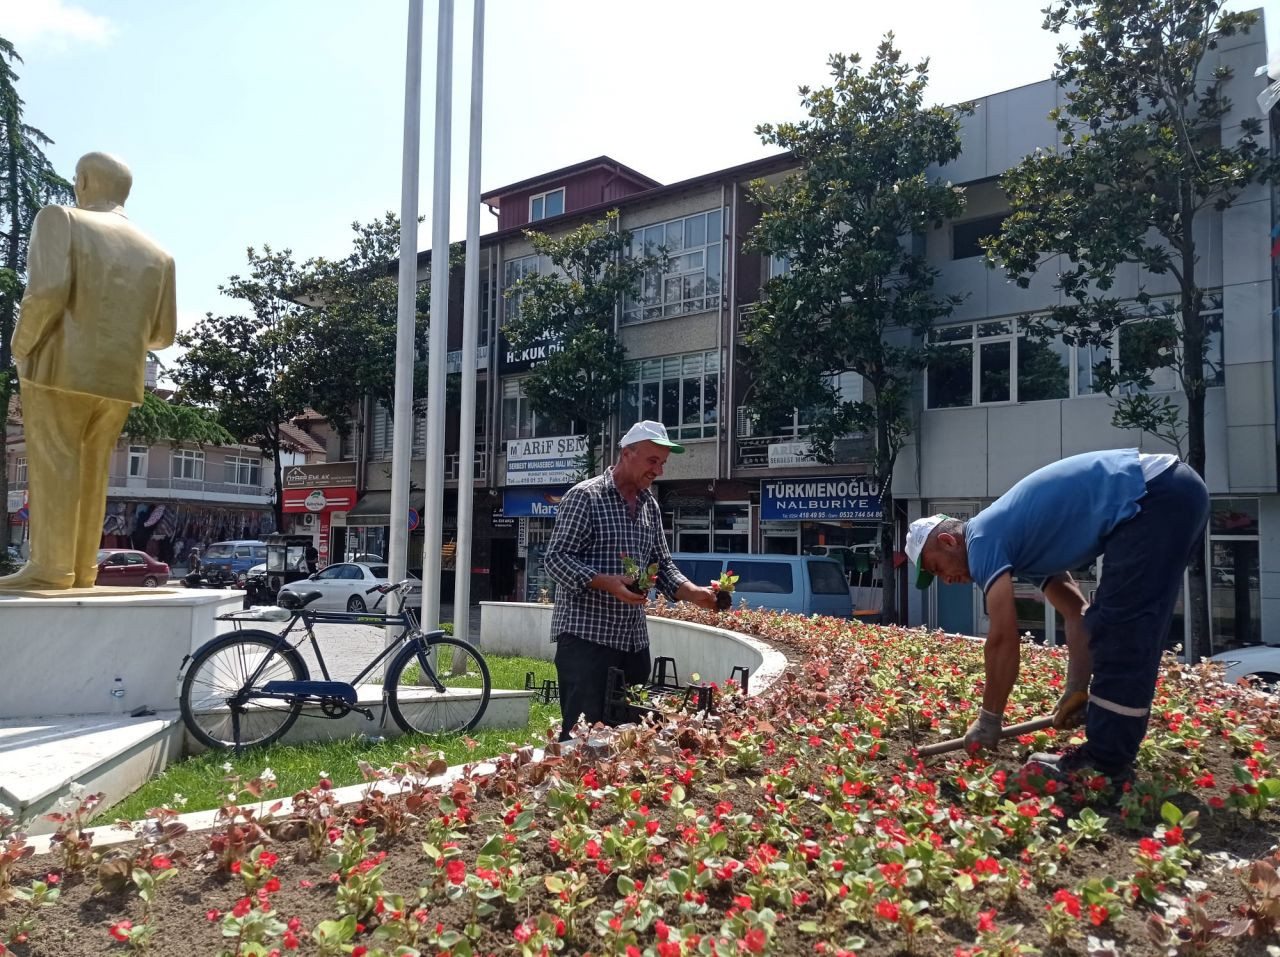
(1259, 664)
(345, 587)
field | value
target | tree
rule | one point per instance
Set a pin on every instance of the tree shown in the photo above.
(345, 350)
(1143, 154)
(172, 420)
(573, 307)
(28, 181)
(858, 296)
(241, 364)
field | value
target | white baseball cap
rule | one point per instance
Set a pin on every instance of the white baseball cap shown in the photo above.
(650, 431)
(917, 535)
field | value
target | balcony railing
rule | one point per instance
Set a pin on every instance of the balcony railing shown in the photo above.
(753, 451)
(153, 483)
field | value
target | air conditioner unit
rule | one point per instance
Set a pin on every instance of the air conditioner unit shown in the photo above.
(309, 520)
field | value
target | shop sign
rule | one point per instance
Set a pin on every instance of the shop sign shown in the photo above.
(550, 461)
(502, 522)
(792, 453)
(826, 499)
(522, 539)
(17, 500)
(520, 360)
(319, 500)
(320, 475)
(531, 503)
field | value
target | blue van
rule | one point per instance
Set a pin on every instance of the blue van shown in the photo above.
(805, 584)
(231, 561)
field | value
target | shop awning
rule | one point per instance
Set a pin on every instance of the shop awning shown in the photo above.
(374, 508)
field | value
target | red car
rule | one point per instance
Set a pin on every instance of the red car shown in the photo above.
(124, 566)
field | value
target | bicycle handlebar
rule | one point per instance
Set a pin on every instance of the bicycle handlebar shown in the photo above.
(387, 588)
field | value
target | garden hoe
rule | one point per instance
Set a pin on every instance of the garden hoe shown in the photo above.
(1010, 731)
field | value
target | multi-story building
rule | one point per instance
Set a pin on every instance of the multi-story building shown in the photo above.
(983, 422)
(166, 498)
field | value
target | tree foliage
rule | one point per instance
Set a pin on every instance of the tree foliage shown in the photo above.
(859, 295)
(241, 364)
(28, 181)
(345, 348)
(174, 421)
(1144, 151)
(571, 308)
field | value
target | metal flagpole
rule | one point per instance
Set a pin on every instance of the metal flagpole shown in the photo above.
(433, 510)
(406, 303)
(470, 320)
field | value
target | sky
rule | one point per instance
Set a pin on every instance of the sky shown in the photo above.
(248, 123)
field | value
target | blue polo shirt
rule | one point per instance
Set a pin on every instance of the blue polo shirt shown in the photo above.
(1055, 519)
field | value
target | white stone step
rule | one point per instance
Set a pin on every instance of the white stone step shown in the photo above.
(115, 755)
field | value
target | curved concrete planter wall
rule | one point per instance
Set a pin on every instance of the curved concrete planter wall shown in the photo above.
(515, 628)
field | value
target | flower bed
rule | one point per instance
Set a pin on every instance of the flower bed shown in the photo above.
(798, 821)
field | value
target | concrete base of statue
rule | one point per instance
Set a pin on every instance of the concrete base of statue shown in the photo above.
(102, 651)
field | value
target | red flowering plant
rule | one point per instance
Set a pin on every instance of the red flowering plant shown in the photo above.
(799, 818)
(641, 579)
(723, 587)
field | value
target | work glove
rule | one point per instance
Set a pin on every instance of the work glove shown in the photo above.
(983, 734)
(1070, 710)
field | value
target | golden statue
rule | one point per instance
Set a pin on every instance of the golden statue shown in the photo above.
(100, 294)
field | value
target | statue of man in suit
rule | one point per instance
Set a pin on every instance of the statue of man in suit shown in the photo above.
(100, 294)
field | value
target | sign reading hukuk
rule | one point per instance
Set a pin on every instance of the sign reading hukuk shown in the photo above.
(552, 461)
(825, 498)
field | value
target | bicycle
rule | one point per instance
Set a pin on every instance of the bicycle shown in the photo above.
(248, 686)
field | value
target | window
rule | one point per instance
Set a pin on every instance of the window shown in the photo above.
(967, 236)
(520, 421)
(546, 205)
(779, 264)
(772, 578)
(825, 579)
(20, 470)
(188, 464)
(240, 470)
(513, 270)
(699, 571)
(691, 280)
(137, 461)
(975, 363)
(682, 392)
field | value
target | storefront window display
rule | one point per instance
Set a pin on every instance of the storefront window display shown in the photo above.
(1234, 597)
(714, 527)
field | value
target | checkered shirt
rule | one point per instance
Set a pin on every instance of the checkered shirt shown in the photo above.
(593, 529)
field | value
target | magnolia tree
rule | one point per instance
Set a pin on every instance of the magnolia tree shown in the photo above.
(858, 297)
(1144, 155)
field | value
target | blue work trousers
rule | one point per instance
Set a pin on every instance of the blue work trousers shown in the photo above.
(1128, 621)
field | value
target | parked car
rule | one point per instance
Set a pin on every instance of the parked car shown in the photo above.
(1259, 664)
(126, 566)
(806, 584)
(229, 562)
(344, 587)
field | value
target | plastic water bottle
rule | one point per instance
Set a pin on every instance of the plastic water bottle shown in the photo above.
(117, 695)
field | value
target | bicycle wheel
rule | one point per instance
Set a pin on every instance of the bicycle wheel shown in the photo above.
(444, 702)
(222, 670)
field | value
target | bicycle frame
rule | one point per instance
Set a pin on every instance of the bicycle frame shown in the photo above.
(405, 618)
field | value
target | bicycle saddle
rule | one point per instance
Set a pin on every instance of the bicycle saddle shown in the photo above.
(291, 600)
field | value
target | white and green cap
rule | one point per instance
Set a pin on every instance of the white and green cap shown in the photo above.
(917, 535)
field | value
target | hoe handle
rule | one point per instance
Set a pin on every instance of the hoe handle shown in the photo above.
(1010, 731)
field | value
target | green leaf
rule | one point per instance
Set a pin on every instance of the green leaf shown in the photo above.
(1170, 814)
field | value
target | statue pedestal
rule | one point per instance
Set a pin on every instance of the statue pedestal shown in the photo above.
(63, 651)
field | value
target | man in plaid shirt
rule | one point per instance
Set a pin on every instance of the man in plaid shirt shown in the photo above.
(598, 622)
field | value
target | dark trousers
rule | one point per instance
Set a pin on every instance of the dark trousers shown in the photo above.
(1128, 622)
(582, 668)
